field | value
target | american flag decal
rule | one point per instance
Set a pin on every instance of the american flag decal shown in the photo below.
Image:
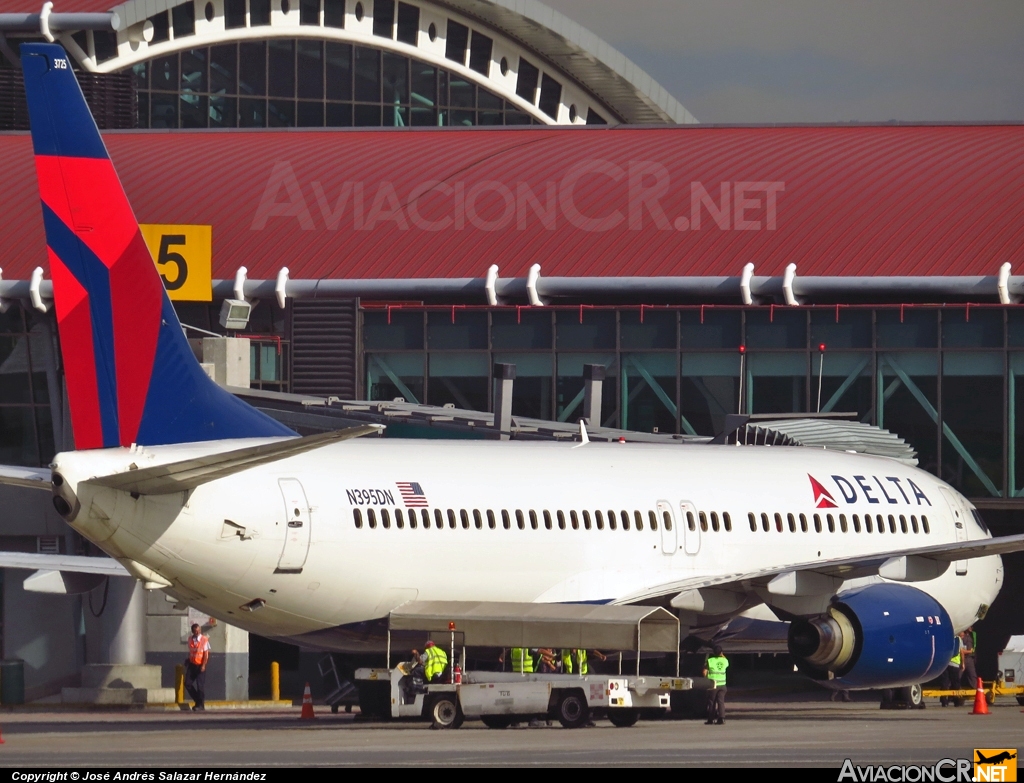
(412, 494)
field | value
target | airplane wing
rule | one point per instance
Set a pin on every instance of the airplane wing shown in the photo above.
(32, 478)
(908, 565)
(104, 566)
(190, 473)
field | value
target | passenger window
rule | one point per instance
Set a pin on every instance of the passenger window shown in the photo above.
(533, 519)
(892, 524)
(491, 523)
(547, 520)
(506, 520)
(765, 524)
(831, 523)
(625, 520)
(357, 517)
(792, 522)
(727, 520)
(599, 518)
(903, 523)
(803, 523)
(703, 521)
(868, 528)
(690, 521)
(856, 523)
(778, 521)
(611, 520)
(574, 520)
(653, 518)
(438, 519)
(451, 519)
(817, 523)
(842, 523)
(385, 519)
(639, 519)
(880, 523)
(399, 519)
(913, 523)
(371, 518)
(750, 518)
(924, 525)
(586, 520)
(465, 519)
(714, 521)
(561, 520)
(666, 519)
(520, 520)
(412, 519)
(425, 518)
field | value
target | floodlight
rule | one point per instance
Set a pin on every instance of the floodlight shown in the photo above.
(234, 313)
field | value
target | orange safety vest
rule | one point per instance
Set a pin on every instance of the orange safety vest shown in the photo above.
(196, 648)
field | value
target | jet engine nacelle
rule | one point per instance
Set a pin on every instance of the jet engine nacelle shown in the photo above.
(877, 636)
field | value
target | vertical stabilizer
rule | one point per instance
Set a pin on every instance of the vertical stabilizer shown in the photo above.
(131, 375)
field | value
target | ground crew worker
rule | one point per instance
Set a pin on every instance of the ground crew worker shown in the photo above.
(950, 677)
(195, 667)
(715, 668)
(576, 661)
(968, 669)
(435, 662)
(522, 661)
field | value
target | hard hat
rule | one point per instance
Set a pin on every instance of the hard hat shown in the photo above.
(429, 644)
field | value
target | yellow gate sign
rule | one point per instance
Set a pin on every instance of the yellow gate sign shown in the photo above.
(183, 256)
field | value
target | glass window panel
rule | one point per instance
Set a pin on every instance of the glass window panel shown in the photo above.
(141, 73)
(224, 69)
(422, 116)
(194, 110)
(252, 112)
(165, 73)
(650, 392)
(383, 17)
(720, 329)
(778, 329)
(526, 83)
(404, 332)
(845, 382)
(193, 70)
(396, 78)
(339, 115)
(911, 411)
(531, 392)
(516, 117)
(259, 12)
(143, 110)
(658, 329)
(44, 429)
(488, 100)
(311, 69)
(366, 116)
(281, 67)
(105, 45)
(972, 409)
(310, 114)
(339, 72)
(459, 379)
(234, 14)
(334, 13)
(18, 436)
(468, 331)
(280, 113)
(489, 117)
(525, 329)
(309, 12)
(709, 390)
(164, 110)
(161, 28)
(408, 23)
(223, 112)
(550, 96)
(569, 386)
(252, 68)
(1015, 327)
(14, 384)
(972, 328)
(1015, 384)
(424, 85)
(597, 329)
(395, 375)
(853, 329)
(480, 53)
(776, 383)
(462, 93)
(918, 329)
(461, 118)
(456, 42)
(184, 19)
(367, 71)
(396, 116)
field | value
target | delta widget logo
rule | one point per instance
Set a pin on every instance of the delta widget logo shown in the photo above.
(822, 498)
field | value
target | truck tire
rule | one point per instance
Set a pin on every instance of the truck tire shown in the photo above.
(573, 711)
(444, 712)
(496, 721)
(623, 719)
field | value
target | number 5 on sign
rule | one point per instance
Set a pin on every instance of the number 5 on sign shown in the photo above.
(183, 257)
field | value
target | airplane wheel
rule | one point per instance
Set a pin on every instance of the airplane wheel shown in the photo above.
(497, 721)
(334, 709)
(573, 710)
(445, 713)
(623, 719)
(912, 696)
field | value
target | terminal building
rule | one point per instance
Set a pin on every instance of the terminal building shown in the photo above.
(325, 163)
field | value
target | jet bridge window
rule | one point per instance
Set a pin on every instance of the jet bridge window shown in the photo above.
(726, 520)
(371, 518)
(817, 523)
(491, 523)
(792, 522)
(924, 525)
(357, 517)
(638, 518)
(750, 518)
(803, 523)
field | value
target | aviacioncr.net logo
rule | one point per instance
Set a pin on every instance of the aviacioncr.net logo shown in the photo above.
(944, 771)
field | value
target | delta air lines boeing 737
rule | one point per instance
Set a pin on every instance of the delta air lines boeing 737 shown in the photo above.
(314, 539)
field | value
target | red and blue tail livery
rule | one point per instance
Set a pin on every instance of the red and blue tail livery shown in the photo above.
(131, 375)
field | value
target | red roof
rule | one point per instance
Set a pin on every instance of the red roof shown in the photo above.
(853, 200)
(59, 6)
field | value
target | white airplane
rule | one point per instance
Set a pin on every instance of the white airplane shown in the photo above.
(316, 539)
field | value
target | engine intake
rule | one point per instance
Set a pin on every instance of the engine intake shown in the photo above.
(877, 636)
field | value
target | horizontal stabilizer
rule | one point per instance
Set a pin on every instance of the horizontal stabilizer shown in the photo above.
(191, 473)
(32, 478)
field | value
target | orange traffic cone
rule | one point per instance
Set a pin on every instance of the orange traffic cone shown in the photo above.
(980, 705)
(307, 705)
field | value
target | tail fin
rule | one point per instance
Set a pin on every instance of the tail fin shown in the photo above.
(131, 375)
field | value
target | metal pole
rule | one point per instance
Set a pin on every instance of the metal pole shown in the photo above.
(388, 663)
(821, 365)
